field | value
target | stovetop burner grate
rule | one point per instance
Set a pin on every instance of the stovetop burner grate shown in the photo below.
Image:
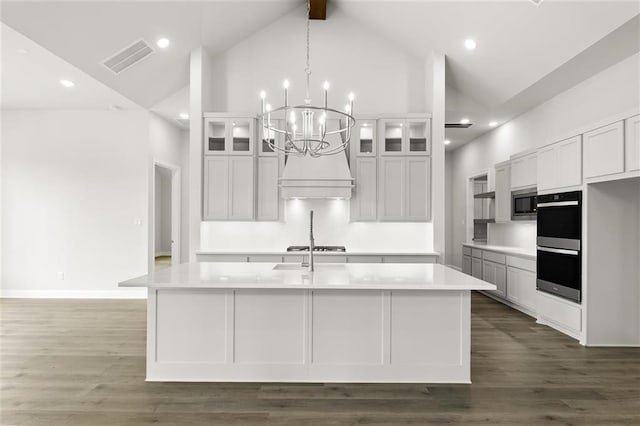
(318, 248)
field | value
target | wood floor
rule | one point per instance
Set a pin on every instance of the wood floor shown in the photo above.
(79, 362)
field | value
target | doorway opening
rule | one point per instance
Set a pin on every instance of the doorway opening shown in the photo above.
(165, 217)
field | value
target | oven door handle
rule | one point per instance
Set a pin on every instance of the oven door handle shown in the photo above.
(559, 251)
(558, 204)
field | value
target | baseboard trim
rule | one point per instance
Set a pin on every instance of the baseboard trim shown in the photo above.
(134, 293)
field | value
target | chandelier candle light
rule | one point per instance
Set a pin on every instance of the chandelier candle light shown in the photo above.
(309, 139)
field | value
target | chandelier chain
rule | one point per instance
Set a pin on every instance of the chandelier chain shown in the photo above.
(308, 68)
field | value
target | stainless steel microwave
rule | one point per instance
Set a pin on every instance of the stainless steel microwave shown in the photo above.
(524, 204)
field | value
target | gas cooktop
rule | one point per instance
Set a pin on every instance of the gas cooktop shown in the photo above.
(317, 248)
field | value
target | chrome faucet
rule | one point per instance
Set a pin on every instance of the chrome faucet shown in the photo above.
(311, 242)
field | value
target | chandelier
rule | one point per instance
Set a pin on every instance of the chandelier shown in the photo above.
(305, 126)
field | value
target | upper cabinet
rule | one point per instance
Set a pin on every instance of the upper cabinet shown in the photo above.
(560, 165)
(404, 186)
(404, 136)
(228, 188)
(363, 139)
(524, 173)
(632, 143)
(604, 151)
(229, 136)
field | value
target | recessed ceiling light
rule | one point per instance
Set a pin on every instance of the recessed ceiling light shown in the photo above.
(493, 124)
(465, 121)
(67, 83)
(447, 141)
(183, 116)
(163, 43)
(470, 44)
(22, 51)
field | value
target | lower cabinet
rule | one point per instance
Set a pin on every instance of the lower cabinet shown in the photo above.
(496, 274)
(476, 267)
(466, 264)
(521, 287)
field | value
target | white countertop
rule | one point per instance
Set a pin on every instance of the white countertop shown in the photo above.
(515, 251)
(316, 253)
(334, 276)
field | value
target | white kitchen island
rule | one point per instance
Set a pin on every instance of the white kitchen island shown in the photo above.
(267, 322)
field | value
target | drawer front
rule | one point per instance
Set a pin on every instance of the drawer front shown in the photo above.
(265, 258)
(494, 257)
(519, 262)
(293, 258)
(225, 258)
(408, 259)
(466, 251)
(364, 259)
(330, 259)
(476, 253)
(559, 312)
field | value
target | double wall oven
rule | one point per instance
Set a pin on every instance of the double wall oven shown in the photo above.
(560, 244)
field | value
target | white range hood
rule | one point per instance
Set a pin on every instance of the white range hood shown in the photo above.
(322, 177)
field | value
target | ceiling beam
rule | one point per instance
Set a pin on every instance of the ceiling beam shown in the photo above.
(318, 9)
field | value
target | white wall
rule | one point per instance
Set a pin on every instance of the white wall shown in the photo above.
(162, 209)
(611, 92)
(75, 187)
(382, 75)
(331, 227)
(166, 142)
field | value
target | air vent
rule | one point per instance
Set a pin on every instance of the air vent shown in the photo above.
(128, 56)
(457, 125)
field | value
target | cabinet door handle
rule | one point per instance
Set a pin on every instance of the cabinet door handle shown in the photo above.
(558, 251)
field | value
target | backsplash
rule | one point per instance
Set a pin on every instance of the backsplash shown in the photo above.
(331, 227)
(513, 234)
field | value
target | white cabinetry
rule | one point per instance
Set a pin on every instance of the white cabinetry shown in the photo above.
(268, 193)
(364, 199)
(225, 136)
(476, 267)
(524, 171)
(364, 167)
(495, 273)
(228, 188)
(404, 188)
(632, 143)
(503, 192)
(560, 164)
(404, 136)
(604, 151)
(466, 264)
(521, 287)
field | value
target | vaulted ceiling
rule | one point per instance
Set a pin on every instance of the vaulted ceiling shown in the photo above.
(519, 44)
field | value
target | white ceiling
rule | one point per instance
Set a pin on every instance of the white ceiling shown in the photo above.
(172, 106)
(519, 44)
(31, 79)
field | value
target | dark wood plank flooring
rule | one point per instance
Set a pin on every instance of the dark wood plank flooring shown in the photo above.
(82, 362)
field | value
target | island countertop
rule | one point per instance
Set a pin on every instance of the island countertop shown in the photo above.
(334, 276)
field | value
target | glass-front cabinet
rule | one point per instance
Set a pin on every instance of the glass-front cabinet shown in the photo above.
(404, 136)
(364, 138)
(268, 136)
(226, 136)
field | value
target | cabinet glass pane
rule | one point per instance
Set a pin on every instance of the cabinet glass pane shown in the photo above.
(366, 138)
(418, 137)
(241, 136)
(393, 137)
(216, 136)
(268, 136)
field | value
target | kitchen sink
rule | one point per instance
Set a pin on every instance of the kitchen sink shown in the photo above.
(299, 267)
